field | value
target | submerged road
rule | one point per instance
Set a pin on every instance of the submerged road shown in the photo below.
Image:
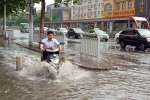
(129, 82)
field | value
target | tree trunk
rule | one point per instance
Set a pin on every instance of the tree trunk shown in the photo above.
(42, 19)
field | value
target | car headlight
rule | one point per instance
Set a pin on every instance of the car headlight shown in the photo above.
(148, 39)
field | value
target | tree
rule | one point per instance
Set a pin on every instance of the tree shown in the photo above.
(42, 19)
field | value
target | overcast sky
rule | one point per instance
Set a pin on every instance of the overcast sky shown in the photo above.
(47, 2)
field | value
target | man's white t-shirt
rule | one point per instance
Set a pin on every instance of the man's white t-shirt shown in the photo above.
(52, 43)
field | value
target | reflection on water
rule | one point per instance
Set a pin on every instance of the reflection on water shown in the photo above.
(130, 82)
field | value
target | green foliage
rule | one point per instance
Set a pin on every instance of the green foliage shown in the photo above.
(13, 7)
(47, 17)
(58, 2)
(37, 18)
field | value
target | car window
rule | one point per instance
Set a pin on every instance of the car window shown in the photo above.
(129, 32)
(71, 30)
(123, 32)
(91, 31)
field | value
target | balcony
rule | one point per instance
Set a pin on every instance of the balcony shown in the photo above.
(119, 13)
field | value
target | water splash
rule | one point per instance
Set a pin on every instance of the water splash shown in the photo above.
(72, 72)
(33, 68)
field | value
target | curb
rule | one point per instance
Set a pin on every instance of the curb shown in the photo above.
(30, 48)
(102, 68)
(81, 66)
(73, 41)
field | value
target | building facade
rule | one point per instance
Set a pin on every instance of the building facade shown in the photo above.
(88, 9)
(119, 8)
(107, 15)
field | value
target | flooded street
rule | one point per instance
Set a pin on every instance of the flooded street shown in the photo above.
(129, 82)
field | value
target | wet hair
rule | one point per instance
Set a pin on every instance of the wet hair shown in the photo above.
(50, 32)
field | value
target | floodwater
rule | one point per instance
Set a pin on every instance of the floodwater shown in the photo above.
(129, 82)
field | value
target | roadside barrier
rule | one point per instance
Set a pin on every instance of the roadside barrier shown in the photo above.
(90, 46)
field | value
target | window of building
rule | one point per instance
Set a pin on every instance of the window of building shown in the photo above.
(102, 12)
(94, 12)
(108, 7)
(102, 4)
(124, 5)
(99, 4)
(98, 12)
(95, 5)
(84, 7)
(130, 4)
(91, 6)
(118, 6)
(84, 14)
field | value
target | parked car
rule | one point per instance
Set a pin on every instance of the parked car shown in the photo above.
(61, 30)
(117, 36)
(102, 34)
(52, 29)
(140, 38)
(75, 32)
(37, 29)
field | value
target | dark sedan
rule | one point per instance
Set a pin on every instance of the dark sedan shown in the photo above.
(75, 32)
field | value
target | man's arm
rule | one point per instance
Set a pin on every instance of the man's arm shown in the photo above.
(42, 47)
(58, 44)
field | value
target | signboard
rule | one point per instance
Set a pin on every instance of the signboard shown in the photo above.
(57, 15)
(141, 8)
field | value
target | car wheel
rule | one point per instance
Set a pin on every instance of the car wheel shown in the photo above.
(106, 40)
(142, 47)
(117, 40)
(137, 48)
(122, 44)
(76, 37)
(68, 36)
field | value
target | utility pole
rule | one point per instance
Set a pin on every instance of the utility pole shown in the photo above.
(4, 23)
(72, 10)
(31, 23)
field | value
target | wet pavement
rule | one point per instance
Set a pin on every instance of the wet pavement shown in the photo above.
(129, 82)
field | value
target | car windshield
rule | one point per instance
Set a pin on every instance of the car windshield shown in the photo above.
(52, 29)
(144, 32)
(63, 29)
(78, 30)
(99, 31)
